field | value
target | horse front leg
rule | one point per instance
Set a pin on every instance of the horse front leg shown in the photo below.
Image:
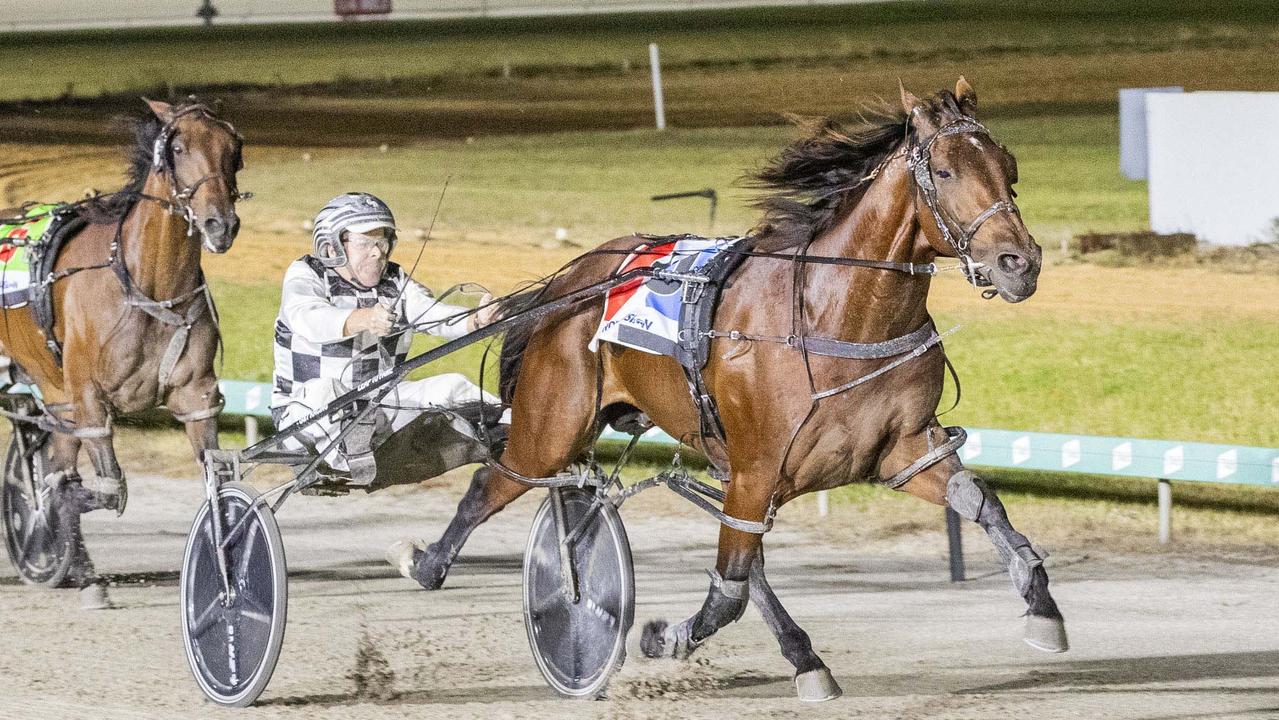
(948, 483)
(93, 430)
(813, 681)
(197, 405)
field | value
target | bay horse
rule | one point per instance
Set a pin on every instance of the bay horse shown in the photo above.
(132, 313)
(892, 193)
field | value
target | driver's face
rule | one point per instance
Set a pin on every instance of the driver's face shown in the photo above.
(367, 255)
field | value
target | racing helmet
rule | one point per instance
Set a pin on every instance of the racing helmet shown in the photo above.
(353, 212)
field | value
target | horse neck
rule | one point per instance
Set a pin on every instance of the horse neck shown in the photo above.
(865, 305)
(162, 260)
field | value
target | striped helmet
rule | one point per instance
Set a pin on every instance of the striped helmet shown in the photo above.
(355, 212)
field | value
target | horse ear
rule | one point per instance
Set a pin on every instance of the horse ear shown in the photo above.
(916, 110)
(909, 102)
(162, 110)
(967, 97)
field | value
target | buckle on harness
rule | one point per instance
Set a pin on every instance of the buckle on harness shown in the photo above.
(693, 291)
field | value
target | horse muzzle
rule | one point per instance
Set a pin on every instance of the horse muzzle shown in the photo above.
(1014, 274)
(217, 233)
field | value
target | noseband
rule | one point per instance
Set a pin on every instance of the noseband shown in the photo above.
(960, 238)
(162, 162)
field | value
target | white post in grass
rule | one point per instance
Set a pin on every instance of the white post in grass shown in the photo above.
(658, 108)
(250, 430)
(823, 503)
(1165, 512)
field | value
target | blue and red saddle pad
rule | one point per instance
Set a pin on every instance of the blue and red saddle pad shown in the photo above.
(644, 314)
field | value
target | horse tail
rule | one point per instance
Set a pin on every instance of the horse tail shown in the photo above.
(517, 336)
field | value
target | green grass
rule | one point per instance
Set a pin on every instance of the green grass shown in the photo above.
(1205, 381)
(597, 185)
(911, 35)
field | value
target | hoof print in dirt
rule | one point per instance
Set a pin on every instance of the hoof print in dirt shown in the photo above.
(372, 673)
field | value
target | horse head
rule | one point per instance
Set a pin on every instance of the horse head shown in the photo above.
(964, 193)
(200, 154)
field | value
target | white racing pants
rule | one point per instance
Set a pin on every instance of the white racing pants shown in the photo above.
(408, 400)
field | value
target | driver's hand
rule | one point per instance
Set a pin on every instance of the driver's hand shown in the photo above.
(377, 320)
(486, 315)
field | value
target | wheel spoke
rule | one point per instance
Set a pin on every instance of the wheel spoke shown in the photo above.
(250, 538)
(27, 539)
(254, 605)
(207, 619)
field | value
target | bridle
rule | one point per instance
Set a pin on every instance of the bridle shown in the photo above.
(179, 201)
(920, 161)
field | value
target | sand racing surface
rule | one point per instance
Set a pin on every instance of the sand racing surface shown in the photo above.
(1153, 637)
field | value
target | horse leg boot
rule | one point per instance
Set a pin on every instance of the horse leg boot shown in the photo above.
(725, 602)
(813, 681)
(969, 496)
(73, 499)
(487, 495)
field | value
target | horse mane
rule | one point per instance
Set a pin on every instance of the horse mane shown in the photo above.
(811, 182)
(145, 128)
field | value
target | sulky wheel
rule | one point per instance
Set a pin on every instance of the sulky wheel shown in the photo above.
(41, 537)
(578, 642)
(232, 646)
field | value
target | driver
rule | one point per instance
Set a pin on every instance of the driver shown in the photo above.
(348, 314)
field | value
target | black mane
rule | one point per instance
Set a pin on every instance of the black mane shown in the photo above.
(811, 181)
(139, 155)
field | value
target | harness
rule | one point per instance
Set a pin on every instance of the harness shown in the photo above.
(958, 236)
(69, 220)
(701, 294)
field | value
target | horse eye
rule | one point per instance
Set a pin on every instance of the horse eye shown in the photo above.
(943, 173)
(177, 149)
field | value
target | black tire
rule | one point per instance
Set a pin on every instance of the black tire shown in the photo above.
(232, 650)
(40, 536)
(578, 646)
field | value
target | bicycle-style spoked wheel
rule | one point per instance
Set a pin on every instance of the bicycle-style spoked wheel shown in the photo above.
(232, 644)
(41, 537)
(578, 642)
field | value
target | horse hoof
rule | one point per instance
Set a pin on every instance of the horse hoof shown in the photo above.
(400, 556)
(94, 597)
(1047, 634)
(653, 639)
(428, 570)
(817, 686)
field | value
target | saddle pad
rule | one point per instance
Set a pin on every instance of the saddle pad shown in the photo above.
(644, 314)
(15, 238)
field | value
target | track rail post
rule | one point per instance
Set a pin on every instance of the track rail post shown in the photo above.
(1165, 511)
(955, 540)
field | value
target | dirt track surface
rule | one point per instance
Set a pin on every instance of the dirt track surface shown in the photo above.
(1153, 637)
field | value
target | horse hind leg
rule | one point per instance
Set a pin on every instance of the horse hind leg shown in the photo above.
(726, 598)
(487, 494)
(969, 496)
(813, 681)
(549, 430)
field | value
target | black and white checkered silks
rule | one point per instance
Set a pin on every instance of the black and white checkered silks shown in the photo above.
(315, 362)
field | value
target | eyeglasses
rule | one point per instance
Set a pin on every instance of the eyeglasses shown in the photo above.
(365, 242)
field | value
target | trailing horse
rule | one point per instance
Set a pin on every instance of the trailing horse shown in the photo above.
(824, 365)
(132, 324)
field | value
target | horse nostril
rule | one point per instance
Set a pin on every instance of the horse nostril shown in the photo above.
(235, 226)
(1012, 263)
(214, 226)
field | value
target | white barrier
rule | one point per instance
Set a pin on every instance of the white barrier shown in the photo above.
(1214, 165)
